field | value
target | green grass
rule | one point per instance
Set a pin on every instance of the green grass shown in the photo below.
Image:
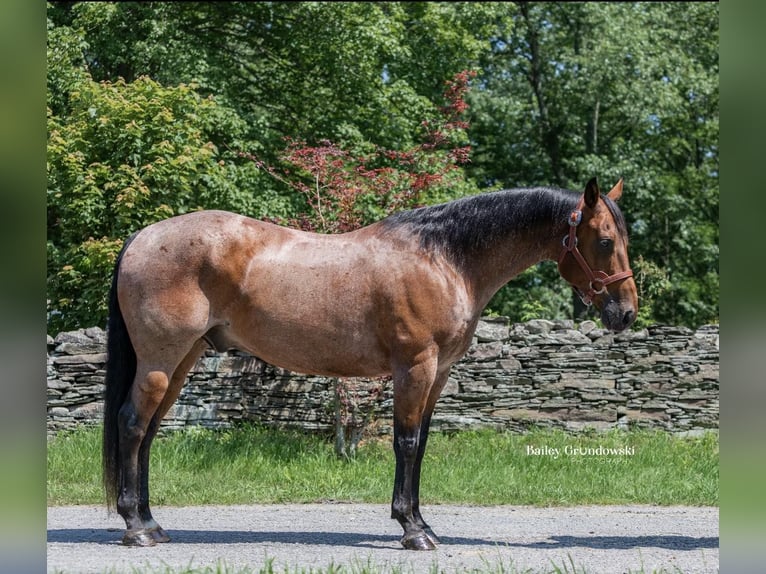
(256, 465)
(369, 567)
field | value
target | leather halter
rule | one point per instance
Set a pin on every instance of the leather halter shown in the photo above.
(597, 280)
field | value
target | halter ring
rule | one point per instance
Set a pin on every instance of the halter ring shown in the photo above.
(599, 291)
(586, 300)
(565, 242)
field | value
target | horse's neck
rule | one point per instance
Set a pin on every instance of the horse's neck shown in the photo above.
(488, 270)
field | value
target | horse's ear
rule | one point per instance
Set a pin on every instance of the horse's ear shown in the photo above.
(616, 192)
(592, 193)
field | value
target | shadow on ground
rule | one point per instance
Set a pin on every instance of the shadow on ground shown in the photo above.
(363, 540)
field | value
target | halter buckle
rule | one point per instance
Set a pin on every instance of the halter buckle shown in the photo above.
(575, 218)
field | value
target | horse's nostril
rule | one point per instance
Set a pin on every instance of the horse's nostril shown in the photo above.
(628, 317)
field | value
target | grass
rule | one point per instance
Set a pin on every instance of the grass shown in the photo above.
(369, 567)
(257, 465)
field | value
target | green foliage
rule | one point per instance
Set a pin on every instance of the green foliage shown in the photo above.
(573, 91)
(652, 283)
(337, 71)
(66, 65)
(124, 156)
(537, 293)
(565, 92)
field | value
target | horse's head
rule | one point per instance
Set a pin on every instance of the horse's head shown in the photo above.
(594, 257)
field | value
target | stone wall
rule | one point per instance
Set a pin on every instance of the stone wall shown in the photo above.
(549, 373)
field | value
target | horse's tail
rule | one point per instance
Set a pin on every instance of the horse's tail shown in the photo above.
(120, 372)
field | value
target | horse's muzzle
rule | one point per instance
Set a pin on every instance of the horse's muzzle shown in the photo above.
(617, 317)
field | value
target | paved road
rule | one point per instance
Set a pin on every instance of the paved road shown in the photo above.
(608, 539)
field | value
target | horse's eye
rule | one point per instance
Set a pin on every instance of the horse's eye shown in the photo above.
(605, 245)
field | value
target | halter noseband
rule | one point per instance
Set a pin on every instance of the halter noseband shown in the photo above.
(597, 280)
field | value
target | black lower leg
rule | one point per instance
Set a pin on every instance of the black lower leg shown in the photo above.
(406, 450)
(155, 530)
(131, 436)
(423, 439)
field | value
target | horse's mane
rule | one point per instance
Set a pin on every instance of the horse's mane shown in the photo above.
(619, 219)
(464, 226)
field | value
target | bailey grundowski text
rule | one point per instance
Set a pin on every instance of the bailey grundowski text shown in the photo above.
(570, 450)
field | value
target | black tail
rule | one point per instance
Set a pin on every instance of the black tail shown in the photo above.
(120, 372)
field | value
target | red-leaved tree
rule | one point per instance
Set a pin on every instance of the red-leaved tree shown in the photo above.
(346, 191)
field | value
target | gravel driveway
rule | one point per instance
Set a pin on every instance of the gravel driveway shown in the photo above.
(608, 539)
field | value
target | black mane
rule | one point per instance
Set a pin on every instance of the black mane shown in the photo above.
(470, 224)
(619, 218)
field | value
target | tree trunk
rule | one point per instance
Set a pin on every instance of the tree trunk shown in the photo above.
(549, 131)
(340, 430)
(591, 134)
(351, 418)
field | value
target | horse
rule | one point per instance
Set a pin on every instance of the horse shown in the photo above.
(400, 297)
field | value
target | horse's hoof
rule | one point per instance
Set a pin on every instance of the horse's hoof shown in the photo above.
(417, 541)
(159, 535)
(142, 537)
(432, 535)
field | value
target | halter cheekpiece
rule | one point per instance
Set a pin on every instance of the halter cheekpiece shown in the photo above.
(597, 280)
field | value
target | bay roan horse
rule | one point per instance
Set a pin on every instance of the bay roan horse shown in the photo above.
(401, 297)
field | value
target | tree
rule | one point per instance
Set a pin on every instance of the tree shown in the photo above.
(351, 72)
(565, 91)
(135, 133)
(579, 96)
(125, 156)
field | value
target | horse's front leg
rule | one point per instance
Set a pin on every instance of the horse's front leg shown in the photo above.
(411, 391)
(433, 396)
(419, 520)
(402, 508)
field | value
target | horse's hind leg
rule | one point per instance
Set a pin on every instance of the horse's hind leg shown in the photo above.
(150, 525)
(174, 389)
(135, 416)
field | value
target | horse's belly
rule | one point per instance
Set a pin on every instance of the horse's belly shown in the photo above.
(304, 353)
(316, 343)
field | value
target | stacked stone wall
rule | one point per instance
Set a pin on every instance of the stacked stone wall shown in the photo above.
(538, 373)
